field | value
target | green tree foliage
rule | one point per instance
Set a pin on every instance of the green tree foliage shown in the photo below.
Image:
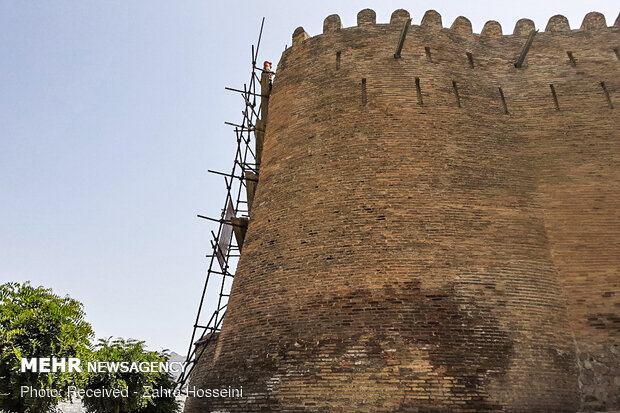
(35, 322)
(162, 403)
(136, 398)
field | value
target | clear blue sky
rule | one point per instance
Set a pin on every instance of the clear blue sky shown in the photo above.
(111, 112)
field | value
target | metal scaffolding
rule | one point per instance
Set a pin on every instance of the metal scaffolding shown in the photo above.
(227, 242)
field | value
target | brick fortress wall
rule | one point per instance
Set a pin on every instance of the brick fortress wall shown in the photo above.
(438, 231)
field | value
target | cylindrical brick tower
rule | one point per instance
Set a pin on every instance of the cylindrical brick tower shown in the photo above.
(435, 232)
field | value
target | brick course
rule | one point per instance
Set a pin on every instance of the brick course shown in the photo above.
(432, 253)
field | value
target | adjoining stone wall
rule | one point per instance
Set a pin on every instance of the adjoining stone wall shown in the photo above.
(438, 232)
(205, 350)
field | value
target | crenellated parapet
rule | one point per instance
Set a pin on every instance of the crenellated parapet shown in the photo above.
(432, 21)
(559, 62)
(593, 34)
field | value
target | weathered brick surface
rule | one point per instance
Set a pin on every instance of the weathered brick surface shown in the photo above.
(431, 258)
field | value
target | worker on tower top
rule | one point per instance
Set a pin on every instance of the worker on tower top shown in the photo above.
(267, 69)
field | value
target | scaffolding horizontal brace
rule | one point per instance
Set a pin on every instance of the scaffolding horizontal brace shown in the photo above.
(232, 176)
(249, 93)
(223, 273)
(222, 221)
(239, 126)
